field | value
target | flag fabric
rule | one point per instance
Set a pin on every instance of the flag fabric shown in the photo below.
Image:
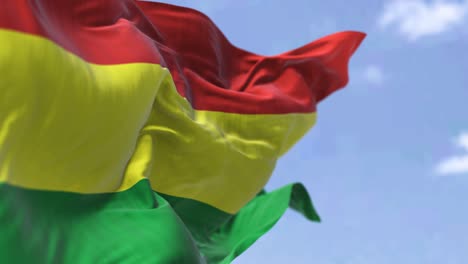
(135, 132)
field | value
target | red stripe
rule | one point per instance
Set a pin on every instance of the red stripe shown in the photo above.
(99, 31)
(213, 74)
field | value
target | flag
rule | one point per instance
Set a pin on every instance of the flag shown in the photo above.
(135, 132)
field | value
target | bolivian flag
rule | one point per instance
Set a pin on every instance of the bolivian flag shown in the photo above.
(134, 132)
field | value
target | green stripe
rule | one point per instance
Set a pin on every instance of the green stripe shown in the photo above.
(133, 226)
(221, 237)
(200, 218)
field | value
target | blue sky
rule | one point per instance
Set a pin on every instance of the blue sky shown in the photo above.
(387, 163)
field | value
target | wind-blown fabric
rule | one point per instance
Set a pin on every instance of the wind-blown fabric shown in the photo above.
(135, 132)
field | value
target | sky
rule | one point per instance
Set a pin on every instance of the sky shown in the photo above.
(387, 163)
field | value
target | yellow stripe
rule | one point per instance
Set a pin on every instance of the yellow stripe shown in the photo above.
(222, 159)
(70, 125)
(66, 124)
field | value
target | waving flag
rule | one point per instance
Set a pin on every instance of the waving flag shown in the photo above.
(134, 132)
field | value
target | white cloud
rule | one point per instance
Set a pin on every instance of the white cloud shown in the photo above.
(462, 141)
(457, 164)
(374, 74)
(418, 18)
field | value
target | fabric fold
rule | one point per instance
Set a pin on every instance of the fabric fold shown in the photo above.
(135, 132)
